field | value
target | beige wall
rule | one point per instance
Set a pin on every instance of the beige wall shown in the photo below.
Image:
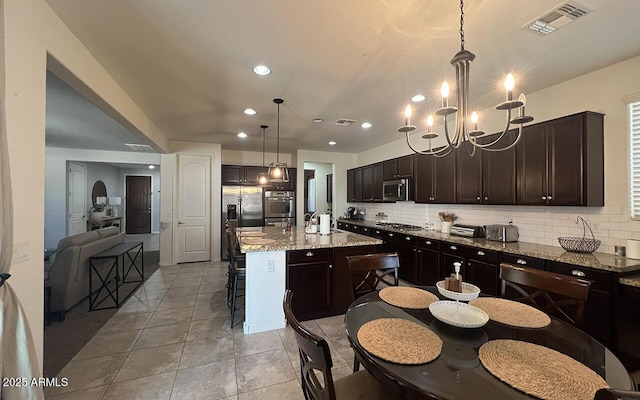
(238, 157)
(32, 31)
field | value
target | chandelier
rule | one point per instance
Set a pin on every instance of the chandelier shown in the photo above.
(466, 130)
(278, 171)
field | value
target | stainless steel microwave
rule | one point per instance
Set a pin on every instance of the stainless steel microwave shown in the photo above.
(397, 190)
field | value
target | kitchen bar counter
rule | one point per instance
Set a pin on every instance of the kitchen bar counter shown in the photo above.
(297, 239)
(267, 273)
(602, 261)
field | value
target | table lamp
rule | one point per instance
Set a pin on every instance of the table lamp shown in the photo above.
(115, 201)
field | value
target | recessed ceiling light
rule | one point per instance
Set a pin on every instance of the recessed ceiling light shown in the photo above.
(261, 70)
(317, 120)
(417, 98)
(152, 167)
(366, 125)
(242, 135)
(332, 143)
(250, 111)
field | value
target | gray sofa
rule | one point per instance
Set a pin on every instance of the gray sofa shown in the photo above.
(68, 271)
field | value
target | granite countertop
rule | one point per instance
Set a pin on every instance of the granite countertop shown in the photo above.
(602, 261)
(297, 239)
(630, 280)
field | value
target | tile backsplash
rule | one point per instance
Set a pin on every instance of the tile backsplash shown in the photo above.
(536, 224)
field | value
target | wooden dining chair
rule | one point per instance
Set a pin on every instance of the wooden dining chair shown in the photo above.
(315, 368)
(370, 270)
(615, 394)
(546, 287)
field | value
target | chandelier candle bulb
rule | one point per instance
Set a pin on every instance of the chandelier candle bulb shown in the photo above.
(429, 123)
(474, 120)
(509, 83)
(407, 115)
(444, 91)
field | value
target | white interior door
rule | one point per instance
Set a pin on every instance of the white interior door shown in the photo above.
(77, 182)
(193, 229)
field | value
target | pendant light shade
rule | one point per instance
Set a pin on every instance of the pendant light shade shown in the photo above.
(278, 172)
(263, 177)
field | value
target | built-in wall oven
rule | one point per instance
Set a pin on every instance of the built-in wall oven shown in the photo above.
(279, 207)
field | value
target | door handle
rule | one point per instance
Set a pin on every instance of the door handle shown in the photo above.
(180, 223)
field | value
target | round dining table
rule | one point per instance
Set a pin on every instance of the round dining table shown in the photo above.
(457, 373)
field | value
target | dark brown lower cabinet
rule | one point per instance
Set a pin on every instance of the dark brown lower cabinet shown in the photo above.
(310, 278)
(427, 265)
(483, 275)
(627, 326)
(407, 254)
(321, 281)
(598, 312)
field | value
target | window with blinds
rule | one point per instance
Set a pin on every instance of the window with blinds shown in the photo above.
(634, 131)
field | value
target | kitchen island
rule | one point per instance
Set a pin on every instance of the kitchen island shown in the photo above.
(312, 265)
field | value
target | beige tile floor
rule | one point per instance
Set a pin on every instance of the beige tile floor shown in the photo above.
(172, 340)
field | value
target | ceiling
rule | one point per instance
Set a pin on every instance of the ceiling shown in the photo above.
(188, 63)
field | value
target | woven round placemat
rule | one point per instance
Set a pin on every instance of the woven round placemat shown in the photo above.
(539, 371)
(511, 312)
(400, 341)
(407, 297)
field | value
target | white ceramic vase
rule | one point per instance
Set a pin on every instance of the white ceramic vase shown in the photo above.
(446, 226)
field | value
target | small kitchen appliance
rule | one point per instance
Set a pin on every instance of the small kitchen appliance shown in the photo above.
(502, 233)
(467, 230)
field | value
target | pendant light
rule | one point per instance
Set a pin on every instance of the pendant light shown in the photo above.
(278, 171)
(263, 177)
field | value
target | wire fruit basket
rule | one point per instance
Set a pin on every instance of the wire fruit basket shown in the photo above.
(583, 244)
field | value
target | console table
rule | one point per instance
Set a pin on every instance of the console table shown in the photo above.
(115, 255)
(93, 224)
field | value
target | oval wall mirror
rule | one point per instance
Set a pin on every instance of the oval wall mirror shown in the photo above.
(99, 190)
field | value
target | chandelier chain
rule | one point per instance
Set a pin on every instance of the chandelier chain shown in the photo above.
(461, 24)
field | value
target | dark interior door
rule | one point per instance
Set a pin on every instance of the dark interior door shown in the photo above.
(138, 211)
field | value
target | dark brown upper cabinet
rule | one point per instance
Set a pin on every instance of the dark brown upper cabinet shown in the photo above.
(499, 171)
(468, 174)
(561, 162)
(435, 178)
(372, 183)
(401, 167)
(354, 185)
(240, 174)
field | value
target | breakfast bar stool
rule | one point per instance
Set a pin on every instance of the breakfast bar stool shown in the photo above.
(615, 394)
(237, 274)
(315, 365)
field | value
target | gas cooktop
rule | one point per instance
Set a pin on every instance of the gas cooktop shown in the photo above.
(403, 227)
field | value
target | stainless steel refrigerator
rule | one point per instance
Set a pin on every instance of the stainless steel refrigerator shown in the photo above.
(242, 205)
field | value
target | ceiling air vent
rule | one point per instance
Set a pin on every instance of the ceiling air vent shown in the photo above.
(139, 147)
(557, 18)
(344, 122)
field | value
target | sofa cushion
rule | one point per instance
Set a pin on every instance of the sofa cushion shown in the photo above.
(109, 231)
(77, 240)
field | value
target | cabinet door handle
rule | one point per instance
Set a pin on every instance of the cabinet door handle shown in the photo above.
(378, 232)
(309, 254)
(428, 242)
(391, 235)
(544, 197)
(415, 250)
(419, 251)
(453, 247)
(481, 253)
(486, 197)
(407, 238)
(521, 261)
(577, 272)
(549, 198)
(330, 266)
(478, 198)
